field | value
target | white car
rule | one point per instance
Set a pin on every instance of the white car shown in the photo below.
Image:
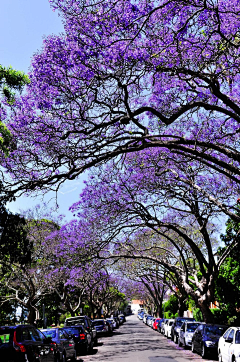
(168, 327)
(229, 345)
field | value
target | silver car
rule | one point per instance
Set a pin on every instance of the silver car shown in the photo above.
(186, 333)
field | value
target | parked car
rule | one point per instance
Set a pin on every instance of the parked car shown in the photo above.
(168, 327)
(229, 345)
(149, 320)
(155, 323)
(110, 327)
(186, 333)
(101, 327)
(177, 325)
(159, 325)
(145, 317)
(86, 322)
(122, 318)
(82, 338)
(117, 321)
(205, 338)
(163, 325)
(65, 346)
(112, 321)
(23, 343)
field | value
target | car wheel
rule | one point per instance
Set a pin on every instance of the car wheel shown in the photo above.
(57, 358)
(184, 344)
(193, 349)
(175, 339)
(179, 343)
(219, 356)
(95, 342)
(203, 351)
(73, 359)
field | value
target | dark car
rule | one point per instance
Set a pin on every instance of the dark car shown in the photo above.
(177, 325)
(186, 333)
(159, 325)
(205, 338)
(102, 327)
(65, 346)
(117, 322)
(86, 322)
(82, 339)
(23, 343)
(122, 318)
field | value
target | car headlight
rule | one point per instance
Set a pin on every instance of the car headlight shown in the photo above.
(210, 343)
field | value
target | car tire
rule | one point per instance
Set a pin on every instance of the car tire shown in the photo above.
(193, 349)
(74, 357)
(219, 356)
(184, 344)
(57, 358)
(203, 351)
(95, 341)
(175, 339)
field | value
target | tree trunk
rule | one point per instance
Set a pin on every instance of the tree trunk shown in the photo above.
(31, 315)
(181, 306)
(208, 317)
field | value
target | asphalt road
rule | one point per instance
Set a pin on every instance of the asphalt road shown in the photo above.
(136, 342)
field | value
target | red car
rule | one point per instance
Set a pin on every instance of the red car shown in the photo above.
(155, 323)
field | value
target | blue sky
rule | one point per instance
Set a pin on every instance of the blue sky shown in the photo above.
(23, 24)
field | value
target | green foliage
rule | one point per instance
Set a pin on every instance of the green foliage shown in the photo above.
(171, 307)
(197, 314)
(10, 80)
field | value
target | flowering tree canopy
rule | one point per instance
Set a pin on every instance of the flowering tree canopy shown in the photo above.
(125, 76)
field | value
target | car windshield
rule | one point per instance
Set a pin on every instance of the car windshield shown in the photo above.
(98, 323)
(192, 326)
(73, 330)
(74, 322)
(50, 333)
(215, 330)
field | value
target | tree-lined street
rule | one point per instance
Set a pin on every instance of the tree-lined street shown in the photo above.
(135, 342)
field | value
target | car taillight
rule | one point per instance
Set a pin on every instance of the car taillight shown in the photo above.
(16, 345)
(105, 328)
(82, 336)
(54, 344)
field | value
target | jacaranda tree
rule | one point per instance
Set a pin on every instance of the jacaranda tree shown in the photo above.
(125, 76)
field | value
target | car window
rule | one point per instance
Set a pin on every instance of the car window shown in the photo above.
(72, 330)
(50, 333)
(226, 333)
(4, 335)
(191, 327)
(237, 337)
(34, 335)
(215, 330)
(231, 335)
(98, 323)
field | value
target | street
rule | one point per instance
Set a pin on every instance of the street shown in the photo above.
(136, 342)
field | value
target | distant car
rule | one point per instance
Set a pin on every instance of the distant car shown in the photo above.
(112, 320)
(229, 345)
(145, 317)
(149, 320)
(122, 318)
(186, 333)
(86, 322)
(205, 338)
(159, 325)
(82, 339)
(168, 327)
(101, 327)
(117, 321)
(177, 325)
(23, 343)
(155, 323)
(65, 346)
(163, 325)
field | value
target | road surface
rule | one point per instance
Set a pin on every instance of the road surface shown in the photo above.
(136, 342)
